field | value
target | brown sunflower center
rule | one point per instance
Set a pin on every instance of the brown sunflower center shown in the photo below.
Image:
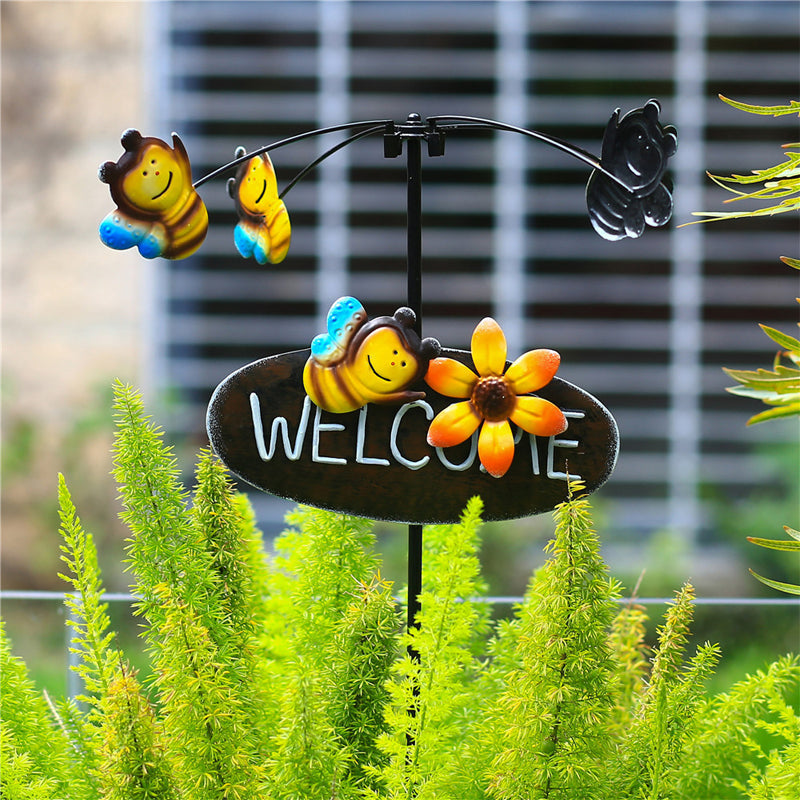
(493, 398)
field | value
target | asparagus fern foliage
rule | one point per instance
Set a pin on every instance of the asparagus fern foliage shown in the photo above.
(289, 676)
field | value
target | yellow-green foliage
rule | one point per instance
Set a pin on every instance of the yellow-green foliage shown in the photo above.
(290, 677)
(34, 753)
(132, 751)
(781, 182)
(556, 710)
(778, 388)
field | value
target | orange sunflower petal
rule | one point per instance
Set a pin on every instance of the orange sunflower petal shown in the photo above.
(496, 447)
(453, 425)
(532, 370)
(539, 416)
(450, 377)
(489, 348)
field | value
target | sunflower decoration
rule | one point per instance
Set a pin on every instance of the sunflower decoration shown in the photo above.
(494, 397)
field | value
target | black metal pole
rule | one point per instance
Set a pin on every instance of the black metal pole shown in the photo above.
(414, 156)
(414, 255)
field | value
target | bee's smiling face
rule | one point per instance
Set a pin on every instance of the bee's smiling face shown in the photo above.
(258, 187)
(383, 363)
(157, 182)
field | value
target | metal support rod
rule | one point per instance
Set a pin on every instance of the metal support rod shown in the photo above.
(414, 574)
(414, 223)
(414, 262)
(414, 298)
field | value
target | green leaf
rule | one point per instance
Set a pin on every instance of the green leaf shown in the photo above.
(774, 544)
(772, 111)
(714, 216)
(792, 532)
(789, 588)
(785, 399)
(778, 182)
(783, 339)
(790, 410)
(785, 169)
(756, 394)
(785, 380)
(791, 262)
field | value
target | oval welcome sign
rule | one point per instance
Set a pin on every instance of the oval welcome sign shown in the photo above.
(376, 462)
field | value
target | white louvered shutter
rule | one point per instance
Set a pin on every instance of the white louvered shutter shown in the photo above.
(643, 325)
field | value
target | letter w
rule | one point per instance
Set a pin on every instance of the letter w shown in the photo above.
(279, 424)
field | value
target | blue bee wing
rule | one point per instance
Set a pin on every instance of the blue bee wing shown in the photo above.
(152, 246)
(251, 240)
(121, 232)
(345, 317)
(324, 350)
(244, 239)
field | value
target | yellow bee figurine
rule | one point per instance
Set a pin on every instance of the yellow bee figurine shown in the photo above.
(158, 209)
(358, 361)
(264, 231)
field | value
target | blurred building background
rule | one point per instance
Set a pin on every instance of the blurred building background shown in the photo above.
(643, 325)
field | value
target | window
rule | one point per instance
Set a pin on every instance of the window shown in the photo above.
(643, 325)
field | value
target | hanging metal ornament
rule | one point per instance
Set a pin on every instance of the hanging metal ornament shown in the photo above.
(373, 419)
(636, 151)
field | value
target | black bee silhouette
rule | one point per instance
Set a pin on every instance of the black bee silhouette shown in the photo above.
(636, 150)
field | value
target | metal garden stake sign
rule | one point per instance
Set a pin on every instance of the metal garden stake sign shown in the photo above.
(373, 419)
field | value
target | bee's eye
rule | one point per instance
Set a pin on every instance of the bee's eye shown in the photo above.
(402, 363)
(144, 172)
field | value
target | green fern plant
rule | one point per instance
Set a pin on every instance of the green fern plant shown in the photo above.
(667, 716)
(556, 709)
(121, 746)
(430, 696)
(35, 759)
(289, 676)
(780, 182)
(778, 388)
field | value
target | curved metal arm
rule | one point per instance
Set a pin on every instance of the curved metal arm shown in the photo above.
(566, 147)
(451, 122)
(303, 172)
(275, 145)
(459, 122)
